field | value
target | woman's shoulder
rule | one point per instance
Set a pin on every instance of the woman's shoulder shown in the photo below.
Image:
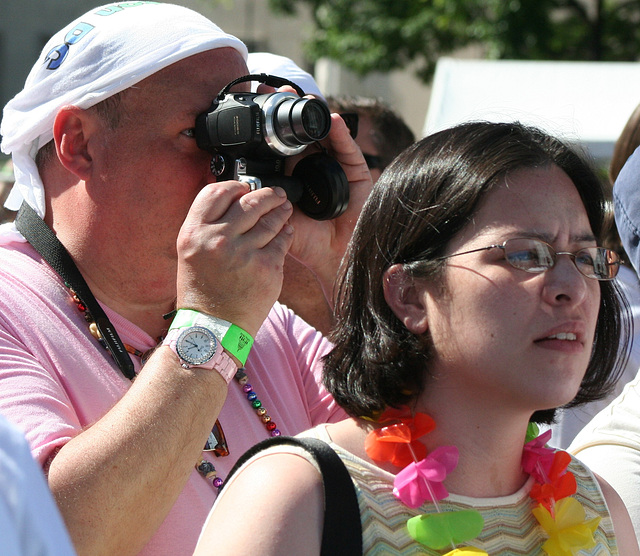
(275, 485)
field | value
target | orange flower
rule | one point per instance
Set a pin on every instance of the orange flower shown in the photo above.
(560, 483)
(398, 442)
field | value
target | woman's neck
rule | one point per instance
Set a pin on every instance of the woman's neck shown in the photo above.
(488, 433)
(490, 455)
(490, 450)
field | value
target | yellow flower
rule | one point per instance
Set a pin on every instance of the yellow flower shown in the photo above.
(568, 532)
(466, 551)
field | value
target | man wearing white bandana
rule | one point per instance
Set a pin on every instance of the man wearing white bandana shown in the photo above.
(104, 152)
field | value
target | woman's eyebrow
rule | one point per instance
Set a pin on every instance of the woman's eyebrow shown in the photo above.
(579, 238)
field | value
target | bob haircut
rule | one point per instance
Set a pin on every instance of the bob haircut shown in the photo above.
(423, 199)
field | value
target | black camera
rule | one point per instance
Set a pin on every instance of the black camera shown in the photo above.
(251, 135)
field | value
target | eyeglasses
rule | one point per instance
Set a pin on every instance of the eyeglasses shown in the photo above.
(533, 255)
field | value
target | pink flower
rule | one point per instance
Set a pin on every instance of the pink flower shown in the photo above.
(422, 481)
(538, 458)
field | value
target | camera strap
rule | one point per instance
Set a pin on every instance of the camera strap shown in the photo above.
(271, 80)
(45, 242)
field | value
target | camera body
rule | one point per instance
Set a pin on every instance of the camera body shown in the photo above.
(251, 134)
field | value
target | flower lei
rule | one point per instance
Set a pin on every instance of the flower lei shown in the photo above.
(423, 475)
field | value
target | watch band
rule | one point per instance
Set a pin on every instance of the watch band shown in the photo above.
(234, 339)
(220, 361)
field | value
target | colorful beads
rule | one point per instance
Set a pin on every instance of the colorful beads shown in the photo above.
(242, 379)
(206, 469)
(93, 327)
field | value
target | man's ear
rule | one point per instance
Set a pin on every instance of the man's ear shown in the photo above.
(405, 299)
(71, 131)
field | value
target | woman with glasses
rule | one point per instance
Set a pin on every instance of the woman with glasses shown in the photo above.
(474, 300)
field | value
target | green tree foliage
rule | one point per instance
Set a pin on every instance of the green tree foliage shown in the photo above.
(383, 35)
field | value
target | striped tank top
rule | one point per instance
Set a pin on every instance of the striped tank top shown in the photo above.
(509, 526)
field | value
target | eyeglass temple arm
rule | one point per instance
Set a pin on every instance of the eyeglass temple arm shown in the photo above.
(472, 251)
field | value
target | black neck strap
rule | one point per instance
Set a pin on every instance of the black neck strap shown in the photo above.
(45, 242)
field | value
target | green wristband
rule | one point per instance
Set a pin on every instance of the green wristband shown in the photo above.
(234, 339)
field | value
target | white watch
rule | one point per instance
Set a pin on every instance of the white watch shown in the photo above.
(197, 346)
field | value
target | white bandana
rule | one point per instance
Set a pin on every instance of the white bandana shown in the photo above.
(101, 53)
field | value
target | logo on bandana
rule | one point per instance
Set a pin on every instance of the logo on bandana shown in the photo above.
(58, 54)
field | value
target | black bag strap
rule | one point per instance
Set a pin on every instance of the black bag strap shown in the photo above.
(45, 242)
(342, 531)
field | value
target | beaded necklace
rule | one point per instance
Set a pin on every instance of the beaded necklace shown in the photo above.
(205, 467)
(216, 443)
(421, 480)
(93, 327)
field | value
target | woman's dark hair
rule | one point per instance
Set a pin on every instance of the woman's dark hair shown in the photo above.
(423, 199)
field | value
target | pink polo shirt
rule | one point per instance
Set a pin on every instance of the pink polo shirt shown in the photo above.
(56, 379)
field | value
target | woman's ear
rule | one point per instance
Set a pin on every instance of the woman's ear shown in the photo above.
(405, 299)
(71, 131)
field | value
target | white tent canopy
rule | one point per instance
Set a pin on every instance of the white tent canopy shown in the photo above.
(584, 102)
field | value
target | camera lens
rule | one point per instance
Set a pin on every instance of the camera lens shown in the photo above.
(314, 120)
(302, 121)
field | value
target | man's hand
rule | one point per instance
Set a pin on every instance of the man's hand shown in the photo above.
(231, 251)
(320, 245)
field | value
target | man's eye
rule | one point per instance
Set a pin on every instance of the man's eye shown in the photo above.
(191, 132)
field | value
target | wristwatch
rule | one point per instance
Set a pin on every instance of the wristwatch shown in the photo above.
(197, 346)
(236, 341)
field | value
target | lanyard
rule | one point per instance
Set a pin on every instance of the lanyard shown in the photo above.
(45, 242)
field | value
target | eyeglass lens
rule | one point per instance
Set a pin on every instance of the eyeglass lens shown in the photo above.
(532, 255)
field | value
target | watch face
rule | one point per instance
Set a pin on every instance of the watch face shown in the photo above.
(196, 345)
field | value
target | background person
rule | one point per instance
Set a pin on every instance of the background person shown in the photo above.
(274, 64)
(610, 442)
(30, 523)
(382, 133)
(6, 183)
(467, 308)
(102, 140)
(569, 422)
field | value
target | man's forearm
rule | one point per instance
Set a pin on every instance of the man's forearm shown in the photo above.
(116, 482)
